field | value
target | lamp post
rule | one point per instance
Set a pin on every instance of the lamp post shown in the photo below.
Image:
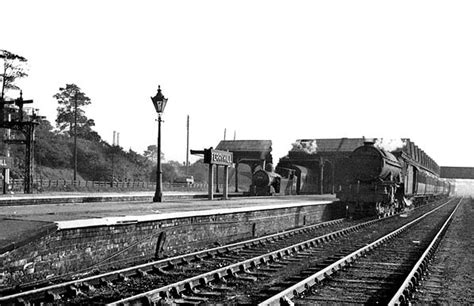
(159, 102)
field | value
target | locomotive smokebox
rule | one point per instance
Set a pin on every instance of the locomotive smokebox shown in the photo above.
(370, 163)
(263, 178)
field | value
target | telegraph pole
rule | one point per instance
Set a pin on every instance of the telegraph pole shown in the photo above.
(75, 136)
(187, 146)
(113, 162)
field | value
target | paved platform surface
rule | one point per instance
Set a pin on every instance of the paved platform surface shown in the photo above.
(78, 197)
(26, 217)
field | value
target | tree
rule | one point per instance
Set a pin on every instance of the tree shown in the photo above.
(51, 150)
(171, 171)
(13, 68)
(151, 152)
(71, 102)
(199, 170)
(85, 131)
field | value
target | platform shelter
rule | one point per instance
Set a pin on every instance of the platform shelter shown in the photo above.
(319, 163)
(254, 153)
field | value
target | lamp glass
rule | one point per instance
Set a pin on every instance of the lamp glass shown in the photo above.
(160, 106)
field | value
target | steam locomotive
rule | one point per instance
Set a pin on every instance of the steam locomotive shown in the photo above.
(382, 183)
(267, 182)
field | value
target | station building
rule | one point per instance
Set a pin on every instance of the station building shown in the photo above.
(319, 163)
(256, 154)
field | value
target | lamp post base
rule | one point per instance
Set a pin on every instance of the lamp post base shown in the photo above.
(158, 197)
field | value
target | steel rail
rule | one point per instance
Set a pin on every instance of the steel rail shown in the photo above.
(285, 296)
(165, 262)
(203, 279)
(403, 293)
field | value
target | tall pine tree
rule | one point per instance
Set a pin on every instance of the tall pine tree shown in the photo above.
(13, 69)
(71, 100)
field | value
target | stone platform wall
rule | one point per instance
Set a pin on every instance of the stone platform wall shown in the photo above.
(103, 247)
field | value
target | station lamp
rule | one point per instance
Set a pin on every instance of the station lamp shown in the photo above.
(159, 102)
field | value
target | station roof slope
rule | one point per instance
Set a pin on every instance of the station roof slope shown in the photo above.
(303, 148)
(247, 149)
(245, 145)
(339, 144)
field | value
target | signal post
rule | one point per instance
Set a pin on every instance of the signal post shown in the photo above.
(26, 124)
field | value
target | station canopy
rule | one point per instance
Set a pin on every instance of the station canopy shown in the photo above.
(247, 151)
(305, 148)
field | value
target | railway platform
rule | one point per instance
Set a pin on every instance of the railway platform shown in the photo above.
(24, 218)
(82, 197)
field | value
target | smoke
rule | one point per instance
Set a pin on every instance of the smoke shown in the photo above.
(390, 145)
(306, 146)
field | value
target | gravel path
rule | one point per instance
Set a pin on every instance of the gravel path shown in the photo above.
(451, 273)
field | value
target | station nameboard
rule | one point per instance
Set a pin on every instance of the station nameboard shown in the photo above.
(217, 157)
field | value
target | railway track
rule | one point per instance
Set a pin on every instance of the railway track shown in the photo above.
(254, 280)
(372, 274)
(216, 269)
(104, 286)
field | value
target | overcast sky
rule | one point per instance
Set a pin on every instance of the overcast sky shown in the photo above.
(278, 70)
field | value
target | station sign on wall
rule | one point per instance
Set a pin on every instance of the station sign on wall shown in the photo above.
(217, 157)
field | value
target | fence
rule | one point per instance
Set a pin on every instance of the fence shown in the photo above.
(41, 185)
